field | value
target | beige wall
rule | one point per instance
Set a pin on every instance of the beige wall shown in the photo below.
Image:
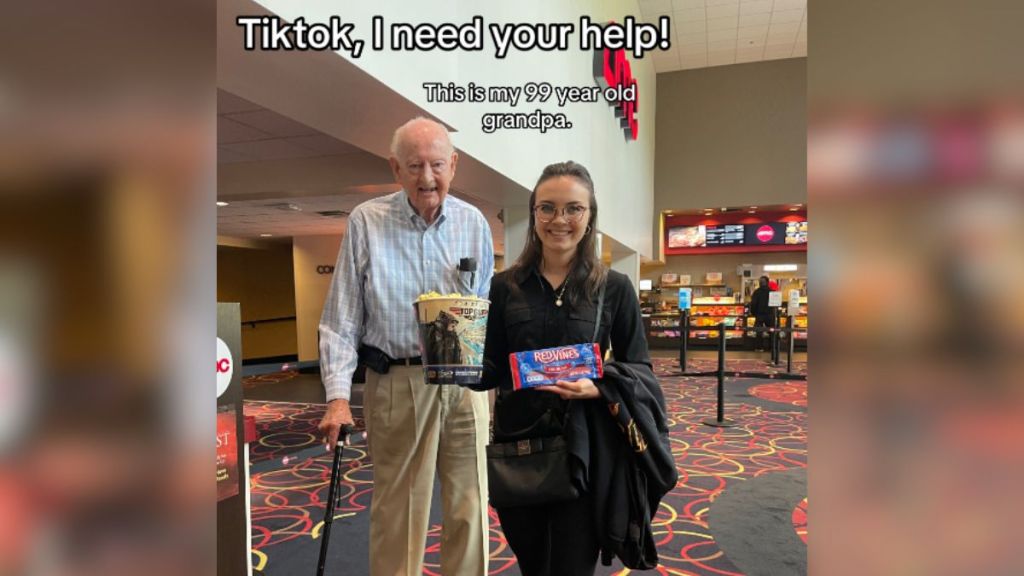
(261, 281)
(311, 287)
(731, 136)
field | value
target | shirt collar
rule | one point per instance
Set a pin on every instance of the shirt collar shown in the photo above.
(410, 213)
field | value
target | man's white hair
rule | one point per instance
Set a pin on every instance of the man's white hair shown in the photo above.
(399, 135)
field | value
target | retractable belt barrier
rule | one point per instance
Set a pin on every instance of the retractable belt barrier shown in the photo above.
(720, 421)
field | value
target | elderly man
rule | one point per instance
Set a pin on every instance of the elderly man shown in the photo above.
(397, 247)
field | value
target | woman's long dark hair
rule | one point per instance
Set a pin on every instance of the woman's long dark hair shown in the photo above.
(586, 273)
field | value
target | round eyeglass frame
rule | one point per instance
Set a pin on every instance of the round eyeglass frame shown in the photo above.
(559, 211)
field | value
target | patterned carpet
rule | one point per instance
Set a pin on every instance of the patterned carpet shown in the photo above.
(788, 392)
(283, 427)
(287, 497)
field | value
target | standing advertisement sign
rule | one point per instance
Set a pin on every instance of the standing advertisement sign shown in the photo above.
(232, 547)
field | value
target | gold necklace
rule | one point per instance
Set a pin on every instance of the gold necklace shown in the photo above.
(558, 301)
(565, 284)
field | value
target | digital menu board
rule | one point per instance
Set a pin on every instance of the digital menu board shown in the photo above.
(765, 234)
(736, 237)
(725, 235)
(796, 232)
(686, 237)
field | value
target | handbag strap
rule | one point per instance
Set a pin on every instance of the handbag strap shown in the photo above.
(597, 315)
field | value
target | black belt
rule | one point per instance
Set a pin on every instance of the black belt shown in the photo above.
(414, 361)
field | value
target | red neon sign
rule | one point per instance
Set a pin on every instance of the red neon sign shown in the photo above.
(612, 70)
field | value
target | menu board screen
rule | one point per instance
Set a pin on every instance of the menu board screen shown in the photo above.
(766, 234)
(796, 232)
(726, 235)
(721, 237)
(687, 237)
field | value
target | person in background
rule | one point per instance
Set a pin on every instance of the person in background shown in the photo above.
(762, 313)
(546, 299)
(397, 247)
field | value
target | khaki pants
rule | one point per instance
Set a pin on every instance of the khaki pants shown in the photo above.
(414, 430)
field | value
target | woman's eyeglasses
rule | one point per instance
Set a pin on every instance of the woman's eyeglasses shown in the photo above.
(572, 213)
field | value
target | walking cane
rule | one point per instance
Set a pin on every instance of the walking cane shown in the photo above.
(332, 490)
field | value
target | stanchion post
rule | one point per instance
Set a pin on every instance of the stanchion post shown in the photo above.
(789, 349)
(721, 422)
(684, 337)
(721, 371)
(776, 324)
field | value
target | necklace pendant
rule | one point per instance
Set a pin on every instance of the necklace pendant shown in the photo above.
(558, 302)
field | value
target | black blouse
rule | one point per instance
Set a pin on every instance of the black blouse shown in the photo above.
(524, 316)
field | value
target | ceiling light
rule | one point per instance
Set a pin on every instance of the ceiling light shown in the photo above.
(794, 209)
(780, 267)
(221, 203)
(724, 209)
(753, 207)
(798, 205)
(265, 235)
(751, 211)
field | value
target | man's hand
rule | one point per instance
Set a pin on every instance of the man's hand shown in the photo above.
(338, 414)
(581, 389)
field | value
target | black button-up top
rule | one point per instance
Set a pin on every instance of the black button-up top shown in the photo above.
(523, 316)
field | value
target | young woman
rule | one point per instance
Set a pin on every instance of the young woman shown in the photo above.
(549, 298)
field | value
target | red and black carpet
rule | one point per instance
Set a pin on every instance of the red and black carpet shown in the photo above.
(739, 507)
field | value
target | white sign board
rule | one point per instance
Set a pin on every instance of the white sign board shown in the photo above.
(794, 302)
(225, 367)
(775, 299)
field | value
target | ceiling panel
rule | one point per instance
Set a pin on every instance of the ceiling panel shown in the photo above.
(273, 123)
(229, 131)
(228, 103)
(722, 32)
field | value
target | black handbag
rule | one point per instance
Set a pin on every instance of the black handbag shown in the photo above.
(533, 471)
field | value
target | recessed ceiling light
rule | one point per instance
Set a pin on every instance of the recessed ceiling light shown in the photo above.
(751, 211)
(793, 209)
(753, 207)
(798, 205)
(265, 235)
(221, 203)
(724, 209)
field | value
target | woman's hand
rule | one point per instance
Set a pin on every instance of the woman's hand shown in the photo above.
(581, 389)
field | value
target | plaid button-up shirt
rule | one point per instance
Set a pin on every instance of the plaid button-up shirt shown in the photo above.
(388, 257)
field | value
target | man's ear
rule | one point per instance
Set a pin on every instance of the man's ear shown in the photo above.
(455, 161)
(394, 168)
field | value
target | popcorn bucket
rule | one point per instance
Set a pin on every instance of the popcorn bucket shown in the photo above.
(452, 331)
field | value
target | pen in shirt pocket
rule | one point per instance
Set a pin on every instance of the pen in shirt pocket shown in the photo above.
(467, 267)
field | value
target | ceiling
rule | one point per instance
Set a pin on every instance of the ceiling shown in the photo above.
(277, 175)
(722, 32)
(774, 208)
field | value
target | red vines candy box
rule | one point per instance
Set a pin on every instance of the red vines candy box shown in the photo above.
(547, 366)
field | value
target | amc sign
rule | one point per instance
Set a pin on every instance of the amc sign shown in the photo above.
(612, 70)
(225, 367)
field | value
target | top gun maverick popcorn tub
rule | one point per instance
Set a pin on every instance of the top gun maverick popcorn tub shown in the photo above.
(452, 330)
